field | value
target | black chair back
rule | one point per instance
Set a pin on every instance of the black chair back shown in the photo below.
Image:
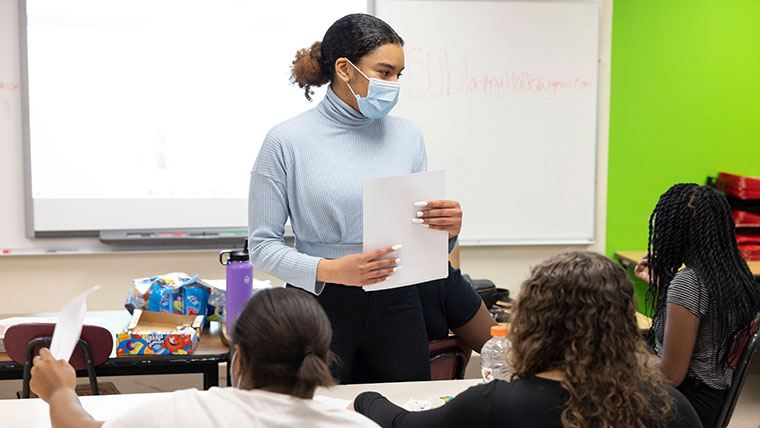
(740, 375)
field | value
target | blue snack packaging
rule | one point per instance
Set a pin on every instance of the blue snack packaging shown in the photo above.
(195, 299)
(172, 293)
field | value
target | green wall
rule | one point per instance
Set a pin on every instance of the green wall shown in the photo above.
(684, 103)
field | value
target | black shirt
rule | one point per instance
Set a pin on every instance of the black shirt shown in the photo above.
(530, 402)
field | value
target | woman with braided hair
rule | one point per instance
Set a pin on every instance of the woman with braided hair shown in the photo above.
(698, 310)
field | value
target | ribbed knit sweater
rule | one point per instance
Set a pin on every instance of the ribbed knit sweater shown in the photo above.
(311, 169)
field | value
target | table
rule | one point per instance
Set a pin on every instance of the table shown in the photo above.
(209, 353)
(630, 258)
(33, 412)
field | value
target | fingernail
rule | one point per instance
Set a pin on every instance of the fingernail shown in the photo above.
(420, 213)
(397, 268)
(397, 261)
(396, 247)
(420, 204)
(418, 220)
(425, 225)
(388, 277)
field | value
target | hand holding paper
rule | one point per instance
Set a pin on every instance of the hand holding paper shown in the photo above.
(440, 215)
(69, 326)
(389, 204)
(50, 375)
(369, 267)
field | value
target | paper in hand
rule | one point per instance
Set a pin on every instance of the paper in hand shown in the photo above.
(388, 212)
(69, 326)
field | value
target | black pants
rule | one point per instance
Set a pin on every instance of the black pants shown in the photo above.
(705, 400)
(447, 303)
(378, 336)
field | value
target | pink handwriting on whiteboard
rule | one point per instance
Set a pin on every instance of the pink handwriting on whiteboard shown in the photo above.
(7, 86)
(436, 74)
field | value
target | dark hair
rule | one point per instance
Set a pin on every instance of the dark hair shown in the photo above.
(284, 337)
(692, 225)
(576, 313)
(352, 37)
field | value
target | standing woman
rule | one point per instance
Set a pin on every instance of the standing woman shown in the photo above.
(699, 309)
(311, 169)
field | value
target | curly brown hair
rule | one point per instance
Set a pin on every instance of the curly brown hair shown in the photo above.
(576, 314)
(306, 71)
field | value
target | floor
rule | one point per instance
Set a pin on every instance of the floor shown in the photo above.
(746, 415)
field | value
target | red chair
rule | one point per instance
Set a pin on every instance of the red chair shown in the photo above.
(448, 358)
(24, 341)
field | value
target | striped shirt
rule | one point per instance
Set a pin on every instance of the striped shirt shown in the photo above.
(687, 290)
(311, 169)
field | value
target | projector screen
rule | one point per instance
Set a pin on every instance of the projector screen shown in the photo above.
(149, 114)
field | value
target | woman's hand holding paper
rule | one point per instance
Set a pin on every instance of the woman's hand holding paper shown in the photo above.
(359, 269)
(440, 215)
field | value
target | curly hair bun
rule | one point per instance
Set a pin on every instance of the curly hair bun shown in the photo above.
(307, 70)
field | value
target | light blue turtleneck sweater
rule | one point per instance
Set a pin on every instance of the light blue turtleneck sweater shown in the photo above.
(311, 169)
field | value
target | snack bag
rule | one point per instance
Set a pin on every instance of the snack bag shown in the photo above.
(216, 301)
(196, 299)
(166, 295)
(139, 295)
(174, 293)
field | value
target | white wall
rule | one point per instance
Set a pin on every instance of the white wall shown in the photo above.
(42, 283)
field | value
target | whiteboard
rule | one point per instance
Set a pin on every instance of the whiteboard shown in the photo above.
(149, 114)
(506, 95)
(522, 166)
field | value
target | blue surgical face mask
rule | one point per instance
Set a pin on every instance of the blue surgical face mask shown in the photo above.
(382, 95)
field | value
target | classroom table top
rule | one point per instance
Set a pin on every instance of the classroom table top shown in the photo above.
(210, 342)
(33, 412)
(630, 258)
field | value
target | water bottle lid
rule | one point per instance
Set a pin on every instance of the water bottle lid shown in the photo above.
(239, 256)
(499, 330)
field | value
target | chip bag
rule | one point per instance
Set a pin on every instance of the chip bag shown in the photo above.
(173, 293)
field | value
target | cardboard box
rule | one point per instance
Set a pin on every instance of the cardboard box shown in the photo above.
(155, 333)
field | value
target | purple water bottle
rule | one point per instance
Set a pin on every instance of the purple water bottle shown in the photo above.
(239, 282)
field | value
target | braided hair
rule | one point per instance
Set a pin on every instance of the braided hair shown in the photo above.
(692, 225)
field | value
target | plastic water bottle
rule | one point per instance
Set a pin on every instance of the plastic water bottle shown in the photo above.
(239, 282)
(493, 355)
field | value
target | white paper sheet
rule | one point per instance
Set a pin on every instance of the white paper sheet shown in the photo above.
(69, 326)
(388, 212)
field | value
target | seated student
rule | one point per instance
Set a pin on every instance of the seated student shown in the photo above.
(281, 354)
(574, 355)
(452, 304)
(701, 308)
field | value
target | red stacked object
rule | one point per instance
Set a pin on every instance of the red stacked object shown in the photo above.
(740, 186)
(749, 243)
(746, 219)
(747, 222)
